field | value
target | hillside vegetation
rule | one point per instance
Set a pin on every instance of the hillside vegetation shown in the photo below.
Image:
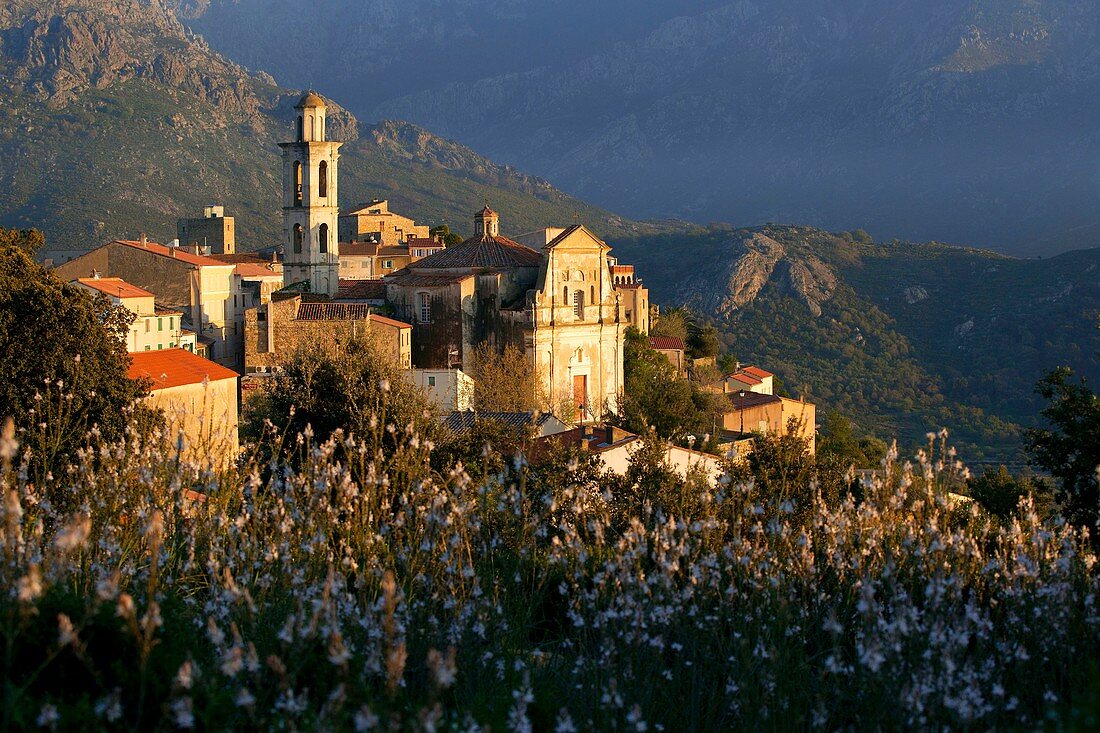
(906, 338)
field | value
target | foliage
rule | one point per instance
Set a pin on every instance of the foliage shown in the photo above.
(653, 395)
(357, 588)
(999, 492)
(703, 341)
(64, 361)
(319, 392)
(837, 440)
(444, 233)
(505, 381)
(672, 322)
(28, 240)
(1069, 446)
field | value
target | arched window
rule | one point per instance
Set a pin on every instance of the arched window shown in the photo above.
(578, 304)
(299, 235)
(301, 129)
(324, 238)
(297, 183)
(425, 307)
(322, 179)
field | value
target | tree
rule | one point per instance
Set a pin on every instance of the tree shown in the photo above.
(64, 360)
(444, 233)
(28, 240)
(1069, 448)
(703, 342)
(505, 381)
(357, 388)
(839, 442)
(999, 492)
(672, 322)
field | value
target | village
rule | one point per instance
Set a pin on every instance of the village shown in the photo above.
(213, 326)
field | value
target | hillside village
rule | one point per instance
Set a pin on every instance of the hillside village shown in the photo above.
(212, 325)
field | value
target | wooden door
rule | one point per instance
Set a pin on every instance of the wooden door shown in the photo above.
(580, 394)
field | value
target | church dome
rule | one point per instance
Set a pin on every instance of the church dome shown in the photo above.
(310, 99)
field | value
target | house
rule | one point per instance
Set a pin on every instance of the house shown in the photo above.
(154, 327)
(452, 390)
(276, 330)
(200, 287)
(672, 347)
(374, 222)
(371, 292)
(616, 448)
(198, 398)
(750, 379)
(753, 412)
(371, 260)
(556, 304)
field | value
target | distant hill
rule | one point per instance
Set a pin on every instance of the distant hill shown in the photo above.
(906, 338)
(117, 120)
(959, 120)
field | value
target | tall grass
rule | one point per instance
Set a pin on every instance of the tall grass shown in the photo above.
(345, 584)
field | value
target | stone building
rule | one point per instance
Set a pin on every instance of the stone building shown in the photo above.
(311, 201)
(752, 412)
(371, 260)
(634, 295)
(275, 331)
(214, 232)
(155, 327)
(198, 398)
(203, 288)
(374, 222)
(558, 304)
(673, 349)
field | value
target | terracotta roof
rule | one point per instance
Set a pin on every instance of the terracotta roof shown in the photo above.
(751, 399)
(666, 343)
(175, 368)
(622, 269)
(628, 286)
(361, 290)
(331, 311)
(249, 269)
(482, 251)
(115, 287)
(240, 258)
(757, 372)
(375, 318)
(744, 378)
(173, 252)
(595, 438)
(359, 248)
(425, 243)
(414, 280)
(458, 422)
(161, 310)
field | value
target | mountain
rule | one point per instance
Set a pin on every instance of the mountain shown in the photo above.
(905, 338)
(954, 120)
(116, 119)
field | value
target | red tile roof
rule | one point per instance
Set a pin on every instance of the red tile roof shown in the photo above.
(482, 251)
(757, 372)
(250, 269)
(361, 290)
(375, 318)
(115, 287)
(174, 253)
(424, 243)
(622, 269)
(751, 399)
(628, 286)
(744, 378)
(666, 343)
(330, 311)
(175, 368)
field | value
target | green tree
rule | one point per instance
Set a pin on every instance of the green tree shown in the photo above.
(999, 492)
(444, 233)
(504, 381)
(673, 322)
(654, 397)
(1069, 446)
(28, 240)
(703, 342)
(64, 361)
(838, 441)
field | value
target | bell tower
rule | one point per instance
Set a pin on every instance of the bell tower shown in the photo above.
(310, 201)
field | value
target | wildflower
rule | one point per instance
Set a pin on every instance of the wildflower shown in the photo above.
(66, 634)
(48, 717)
(384, 385)
(185, 675)
(181, 713)
(338, 653)
(9, 446)
(634, 717)
(365, 720)
(125, 607)
(110, 707)
(29, 587)
(244, 698)
(73, 535)
(564, 723)
(443, 668)
(232, 661)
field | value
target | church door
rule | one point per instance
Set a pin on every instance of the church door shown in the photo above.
(580, 395)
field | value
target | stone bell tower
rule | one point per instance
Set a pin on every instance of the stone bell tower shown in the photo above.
(310, 201)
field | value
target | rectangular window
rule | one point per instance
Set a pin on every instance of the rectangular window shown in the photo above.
(425, 308)
(431, 381)
(160, 346)
(148, 325)
(147, 347)
(160, 324)
(387, 264)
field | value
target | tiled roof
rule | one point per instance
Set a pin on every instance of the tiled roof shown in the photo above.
(414, 280)
(622, 269)
(174, 253)
(666, 343)
(744, 378)
(757, 372)
(628, 286)
(240, 258)
(482, 251)
(310, 99)
(458, 422)
(175, 367)
(568, 231)
(361, 290)
(115, 287)
(751, 399)
(375, 318)
(331, 311)
(359, 249)
(424, 243)
(250, 270)
(161, 310)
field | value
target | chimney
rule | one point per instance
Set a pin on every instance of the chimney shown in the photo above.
(610, 435)
(174, 243)
(144, 240)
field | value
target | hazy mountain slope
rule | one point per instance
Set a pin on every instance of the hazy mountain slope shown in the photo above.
(906, 338)
(960, 120)
(116, 120)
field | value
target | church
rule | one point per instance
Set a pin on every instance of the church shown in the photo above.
(551, 292)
